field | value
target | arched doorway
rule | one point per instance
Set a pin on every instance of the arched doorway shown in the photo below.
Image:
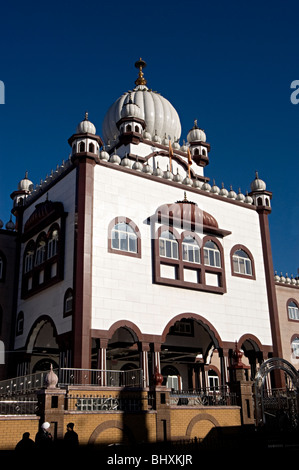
(277, 408)
(188, 347)
(42, 348)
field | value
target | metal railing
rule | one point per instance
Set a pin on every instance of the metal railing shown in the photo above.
(70, 376)
(106, 403)
(23, 384)
(215, 396)
(19, 406)
(97, 377)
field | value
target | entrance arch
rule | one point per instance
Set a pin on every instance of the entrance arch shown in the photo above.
(42, 345)
(277, 407)
(189, 342)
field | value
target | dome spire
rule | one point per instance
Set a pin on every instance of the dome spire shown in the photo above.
(140, 64)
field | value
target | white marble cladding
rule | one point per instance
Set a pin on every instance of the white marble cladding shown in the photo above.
(123, 286)
(50, 301)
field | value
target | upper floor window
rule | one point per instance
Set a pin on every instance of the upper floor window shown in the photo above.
(40, 252)
(53, 244)
(124, 237)
(168, 245)
(211, 254)
(191, 251)
(293, 310)
(295, 347)
(242, 263)
(68, 303)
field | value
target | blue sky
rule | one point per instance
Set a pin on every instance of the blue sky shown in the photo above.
(228, 64)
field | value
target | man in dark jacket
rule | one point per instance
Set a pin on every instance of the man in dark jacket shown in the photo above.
(71, 437)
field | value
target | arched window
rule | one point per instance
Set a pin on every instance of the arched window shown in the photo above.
(242, 263)
(295, 347)
(211, 254)
(68, 303)
(82, 147)
(293, 310)
(20, 324)
(168, 245)
(137, 129)
(91, 148)
(29, 257)
(53, 243)
(191, 251)
(124, 238)
(128, 128)
(40, 251)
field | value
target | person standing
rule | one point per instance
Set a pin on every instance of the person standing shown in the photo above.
(71, 437)
(43, 438)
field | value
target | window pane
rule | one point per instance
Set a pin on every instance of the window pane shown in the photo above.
(175, 250)
(197, 255)
(248, 267)
(168, 249)
(133, 243)
(123, 241)
(162, 247)
(115, 240)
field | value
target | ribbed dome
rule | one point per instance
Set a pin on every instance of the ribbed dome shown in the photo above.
(186, 211)
(25, 184)
(86, 127)
(196, 134)
(258, 184)
(157, 112)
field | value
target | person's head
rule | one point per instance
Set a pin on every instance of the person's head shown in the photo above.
(26, 435)
(45, 426)
(70, 426)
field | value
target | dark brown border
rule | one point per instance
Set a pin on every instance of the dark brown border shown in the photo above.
(126, 220)
(248, 252)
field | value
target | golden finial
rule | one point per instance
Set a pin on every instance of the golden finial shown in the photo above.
(140, 64)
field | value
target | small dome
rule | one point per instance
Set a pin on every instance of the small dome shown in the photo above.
(215, 189)
(248, 199)
(86, 127)
(196, 134)
(10, 225)
(157, 138)
(147, 169)
(223, 192)
(232, 194)
(147, 135)
(115, 159)
(187, 181)
(177, 178)
(126, 162)
(130, 109)
(167, 174)
(206, 187)
(257, 184)
(137, 166)
(158, 172)
(240, 196)
(25, 184)
(184, 147)
(176, 145)
(104, 155)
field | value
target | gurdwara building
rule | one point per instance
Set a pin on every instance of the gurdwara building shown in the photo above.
(127, 256)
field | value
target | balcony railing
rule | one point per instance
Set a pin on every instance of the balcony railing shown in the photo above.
(19, 406)
(215, 396)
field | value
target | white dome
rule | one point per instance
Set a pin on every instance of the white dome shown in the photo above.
(157, 112)
(25, 184)
(196, 134)
(258, 184)
(130, 109)
(86, 127)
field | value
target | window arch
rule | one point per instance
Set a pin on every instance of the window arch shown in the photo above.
(29, 257)
(242, 262)
(82, 147)
(168, 245)
(293, 310)
(20, 323)
(124, 237)
(91, 148)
